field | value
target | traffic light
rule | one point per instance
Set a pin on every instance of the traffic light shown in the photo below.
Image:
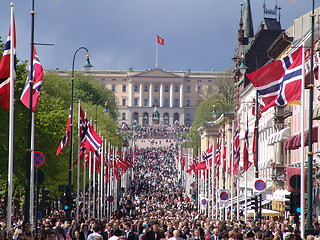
(253, 203)
(46, 198)
(296, 203)
(288, 203)
(67, 203)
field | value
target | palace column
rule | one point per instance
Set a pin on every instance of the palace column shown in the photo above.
(161, 95)
(171, 95)
(140, 95)
(181, 95)
(150, 95)
(130, 94)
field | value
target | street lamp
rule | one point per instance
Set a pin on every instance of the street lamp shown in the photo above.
(214, 112)
(87, 66)
(243, 68)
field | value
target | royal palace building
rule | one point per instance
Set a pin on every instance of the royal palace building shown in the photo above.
(157, 96)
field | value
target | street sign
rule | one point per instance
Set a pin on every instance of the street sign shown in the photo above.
(203, 201)
(224, 196)
(260, 185)
(38, 159)
(110, 198)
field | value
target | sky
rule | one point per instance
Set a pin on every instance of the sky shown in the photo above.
(200, 35)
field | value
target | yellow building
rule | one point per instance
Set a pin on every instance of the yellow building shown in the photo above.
(157, 96)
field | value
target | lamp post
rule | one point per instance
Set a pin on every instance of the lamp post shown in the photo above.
(69, 187)
(309, 228)
(243, 68)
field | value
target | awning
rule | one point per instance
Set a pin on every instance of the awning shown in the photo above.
(294, 142)
(266, 125)
(279, 136)
(264, 213)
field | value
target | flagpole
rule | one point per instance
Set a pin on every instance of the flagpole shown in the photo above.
(90, 176)
(11, 122)
(302, 151)
(30, 149)
(84, 184)
(156, 54)
(231, 173)
(78, 167)
(32, 182)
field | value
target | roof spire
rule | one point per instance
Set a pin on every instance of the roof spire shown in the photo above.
(247, 19)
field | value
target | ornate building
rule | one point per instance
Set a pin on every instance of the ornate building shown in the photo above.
(157, 96)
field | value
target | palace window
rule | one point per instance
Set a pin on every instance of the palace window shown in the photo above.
(124, 88)
(124, 102)
(166, 88)
(113, 88)
(188, 89)
(146, 88)
(176, 88)
(136, 88)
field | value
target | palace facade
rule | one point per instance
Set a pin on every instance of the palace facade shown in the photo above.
(157, 96)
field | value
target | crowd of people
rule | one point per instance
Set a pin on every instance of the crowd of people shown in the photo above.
(156, 207)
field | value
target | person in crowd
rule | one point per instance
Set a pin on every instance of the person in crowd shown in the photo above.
(96, 232)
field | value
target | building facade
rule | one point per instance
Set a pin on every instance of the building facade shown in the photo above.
(157, 96)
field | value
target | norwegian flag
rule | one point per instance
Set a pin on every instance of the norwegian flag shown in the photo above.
(64, 142)
(88, 137)
(37, 83)
(279, 82)
(218, 150)
(207, 160)
(5, 68)
(236, 151)
(183, 161)
(260, 108)
(246, 162)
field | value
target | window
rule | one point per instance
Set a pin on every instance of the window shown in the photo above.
(156, 88)
(188, 102)
(145, 102)
(198, 89)
(176, 102)
(123, 116)
(156, 101)
(124, 102)
(176, 88)
(136, 88)
(136, 101)
(113, 88)
(146, 88)
(124, 88)
(166, 88)
(166, 102)
(188, 89)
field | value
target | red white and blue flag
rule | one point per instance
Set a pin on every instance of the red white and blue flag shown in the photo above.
(236, 151)
(65, 140)
(5, 69)
(246, 162)
(218, 150)
(207, 160)
(88, 137)
(37, 76)
(279, 83)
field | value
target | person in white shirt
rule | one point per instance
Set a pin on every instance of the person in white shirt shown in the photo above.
(176, 235)
(96, 230)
